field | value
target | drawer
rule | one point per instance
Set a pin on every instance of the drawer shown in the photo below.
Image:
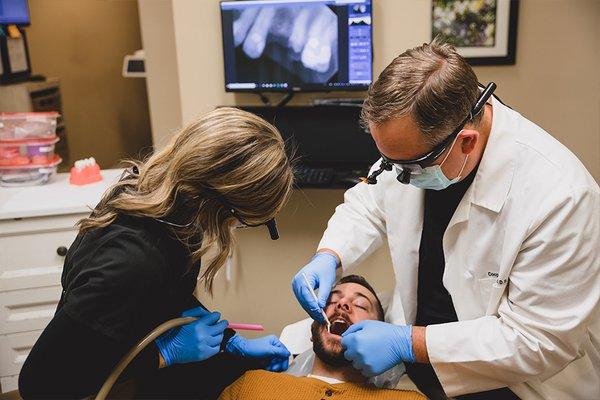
(14, 350)
(50, 223)
(28, 310)
(9, 383)
(33, 260)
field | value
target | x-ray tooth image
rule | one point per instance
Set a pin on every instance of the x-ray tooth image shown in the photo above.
(292, 43)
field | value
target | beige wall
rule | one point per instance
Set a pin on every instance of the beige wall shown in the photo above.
(83, 42)
(158, 38)
(555, 83)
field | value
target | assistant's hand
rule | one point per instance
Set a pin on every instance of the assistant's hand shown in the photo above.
(267, 347)
(320, 272)
(195, 341)
(376, 346)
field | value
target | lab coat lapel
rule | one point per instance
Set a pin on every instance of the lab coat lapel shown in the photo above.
(494, 175)
(489, 190)
(496, 169)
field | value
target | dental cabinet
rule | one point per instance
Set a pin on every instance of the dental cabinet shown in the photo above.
(37, 226)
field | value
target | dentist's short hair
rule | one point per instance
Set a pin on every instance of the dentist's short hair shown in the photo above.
(432, 83)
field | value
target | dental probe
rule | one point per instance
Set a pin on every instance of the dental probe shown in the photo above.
(317, 301)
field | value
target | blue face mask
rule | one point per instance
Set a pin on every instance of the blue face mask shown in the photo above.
(432, 177)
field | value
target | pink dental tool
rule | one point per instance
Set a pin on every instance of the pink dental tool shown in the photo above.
(246, 327)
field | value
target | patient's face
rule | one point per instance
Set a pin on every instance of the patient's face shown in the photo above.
(348, 304)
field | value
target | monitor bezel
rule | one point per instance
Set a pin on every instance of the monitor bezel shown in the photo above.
(296, 88)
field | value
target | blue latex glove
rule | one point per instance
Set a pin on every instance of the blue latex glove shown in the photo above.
(269, 347)
(320, 272)
(195, 341)
(376, 346)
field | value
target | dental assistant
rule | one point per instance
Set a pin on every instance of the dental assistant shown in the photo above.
(493, 228)
(136, 263)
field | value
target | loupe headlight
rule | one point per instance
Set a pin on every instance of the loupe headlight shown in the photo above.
(406, 171)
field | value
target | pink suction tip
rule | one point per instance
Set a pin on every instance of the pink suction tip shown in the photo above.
(246, 327)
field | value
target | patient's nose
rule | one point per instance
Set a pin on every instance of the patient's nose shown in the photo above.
(343, 304)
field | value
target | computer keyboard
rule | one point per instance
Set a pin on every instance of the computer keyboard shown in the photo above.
(314, 176)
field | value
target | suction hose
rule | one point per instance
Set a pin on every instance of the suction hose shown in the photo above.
(149, 338)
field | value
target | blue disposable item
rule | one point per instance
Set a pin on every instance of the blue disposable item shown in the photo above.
(268, 347)
(314, 296)
(433, 177)
(376, 346)
(195, 341)
(318, 273)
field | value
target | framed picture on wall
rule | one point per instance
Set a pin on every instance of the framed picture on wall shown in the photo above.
(483, 31)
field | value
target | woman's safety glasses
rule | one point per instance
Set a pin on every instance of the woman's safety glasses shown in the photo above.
(414, 166)
(270, 224)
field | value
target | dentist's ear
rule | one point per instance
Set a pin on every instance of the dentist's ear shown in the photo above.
(468, 140)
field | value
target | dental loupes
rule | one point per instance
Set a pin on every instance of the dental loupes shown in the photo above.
(317, 301)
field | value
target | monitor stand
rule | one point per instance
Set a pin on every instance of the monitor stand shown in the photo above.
(284, 100)
(349, 102)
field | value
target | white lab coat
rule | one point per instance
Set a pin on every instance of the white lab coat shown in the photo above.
(522, 265)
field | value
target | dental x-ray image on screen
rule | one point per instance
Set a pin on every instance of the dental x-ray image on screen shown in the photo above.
(296, 45)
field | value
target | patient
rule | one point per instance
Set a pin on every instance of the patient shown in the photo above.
(333, 377)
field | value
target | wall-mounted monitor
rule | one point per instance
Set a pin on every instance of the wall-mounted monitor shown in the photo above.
(14, 12)
(297, 45)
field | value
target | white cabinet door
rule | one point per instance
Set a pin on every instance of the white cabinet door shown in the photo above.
(33, 259)
(28, 309)
(9, 383)
(14, 349)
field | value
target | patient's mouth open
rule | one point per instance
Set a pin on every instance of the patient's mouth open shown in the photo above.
(339, 326)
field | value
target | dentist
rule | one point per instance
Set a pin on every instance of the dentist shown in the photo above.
(493, 228)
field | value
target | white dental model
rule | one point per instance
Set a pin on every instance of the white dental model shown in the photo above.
(85, 162)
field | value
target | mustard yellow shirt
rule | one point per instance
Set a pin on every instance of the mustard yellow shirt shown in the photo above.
(265, 385)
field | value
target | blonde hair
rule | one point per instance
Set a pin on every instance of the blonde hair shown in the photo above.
(432, 83)
(227, 159)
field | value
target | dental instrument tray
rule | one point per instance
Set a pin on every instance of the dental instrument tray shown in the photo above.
(27, 144)
(28, 175)
(28, 125)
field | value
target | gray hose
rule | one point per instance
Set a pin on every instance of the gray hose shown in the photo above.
(149, 338)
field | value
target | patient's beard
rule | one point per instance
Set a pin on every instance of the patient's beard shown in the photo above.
(329, 353)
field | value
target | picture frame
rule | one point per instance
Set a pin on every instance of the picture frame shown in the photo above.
(482, 31)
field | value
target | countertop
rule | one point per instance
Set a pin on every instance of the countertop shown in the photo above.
(56, 197)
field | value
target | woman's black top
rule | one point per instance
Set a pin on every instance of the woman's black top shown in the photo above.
(119, 282)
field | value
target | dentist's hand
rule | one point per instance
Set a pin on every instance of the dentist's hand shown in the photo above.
(376, 346)
(274, 352)
(320, 272)
(195, 341)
